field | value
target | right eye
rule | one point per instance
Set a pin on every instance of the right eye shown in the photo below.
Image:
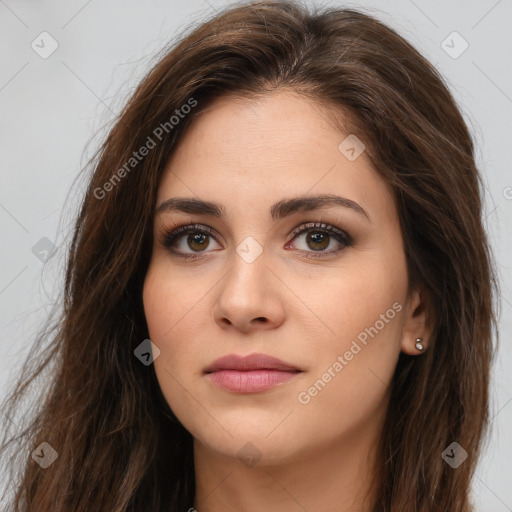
(198, 240)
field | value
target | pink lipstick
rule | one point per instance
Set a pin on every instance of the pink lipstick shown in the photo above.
(250, 374)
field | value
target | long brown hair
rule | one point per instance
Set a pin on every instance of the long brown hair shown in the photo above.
(119, 446)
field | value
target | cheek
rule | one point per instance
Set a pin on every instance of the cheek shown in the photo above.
(352, 369)
(176, 317)
(351, 300)
(163, 313)
(152, 298)
(364, 313)
(168, 300)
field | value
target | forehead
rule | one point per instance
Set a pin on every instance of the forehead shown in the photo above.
(255, 151)
(281, 122)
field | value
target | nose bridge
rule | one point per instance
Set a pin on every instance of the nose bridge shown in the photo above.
(247, 279)
(247, 293)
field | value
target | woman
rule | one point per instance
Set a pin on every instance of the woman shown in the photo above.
(279, 293)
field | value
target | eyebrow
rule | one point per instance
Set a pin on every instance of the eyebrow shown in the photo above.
(279, 210)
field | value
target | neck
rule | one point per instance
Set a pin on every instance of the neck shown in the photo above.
(334, 478)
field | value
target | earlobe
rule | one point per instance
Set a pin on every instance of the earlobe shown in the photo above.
(417, 325)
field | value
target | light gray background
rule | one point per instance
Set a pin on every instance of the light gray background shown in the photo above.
(51, 108)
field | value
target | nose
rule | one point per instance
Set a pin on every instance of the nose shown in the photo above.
(249, 297)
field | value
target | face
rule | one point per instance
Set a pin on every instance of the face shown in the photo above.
(320, 286)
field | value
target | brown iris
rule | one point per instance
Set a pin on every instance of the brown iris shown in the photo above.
(317, 237)
(198, 238)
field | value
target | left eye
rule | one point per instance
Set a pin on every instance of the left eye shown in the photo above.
(318, 237)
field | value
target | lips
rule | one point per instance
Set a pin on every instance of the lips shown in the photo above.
(250, 374)
(250, 362)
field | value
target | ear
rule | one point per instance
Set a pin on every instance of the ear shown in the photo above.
(417, 323)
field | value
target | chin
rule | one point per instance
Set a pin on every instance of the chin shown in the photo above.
(252, 450)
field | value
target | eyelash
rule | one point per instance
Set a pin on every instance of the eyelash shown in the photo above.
(170, 236)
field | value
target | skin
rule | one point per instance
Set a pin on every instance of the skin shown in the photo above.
(248, 154)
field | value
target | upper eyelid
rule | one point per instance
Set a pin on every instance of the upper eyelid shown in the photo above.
(324, 226)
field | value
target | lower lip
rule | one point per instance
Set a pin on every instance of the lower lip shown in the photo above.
(250, 381)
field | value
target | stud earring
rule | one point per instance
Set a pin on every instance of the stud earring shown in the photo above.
(419, 345)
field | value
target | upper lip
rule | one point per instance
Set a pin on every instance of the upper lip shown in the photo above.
(250, 362)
